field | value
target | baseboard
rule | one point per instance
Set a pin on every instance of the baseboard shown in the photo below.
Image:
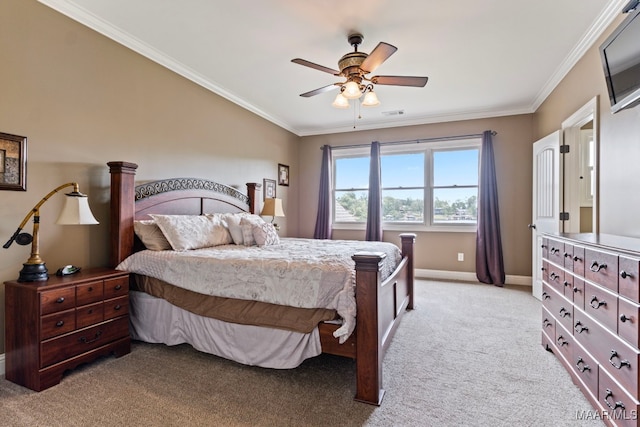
(464, 276)
(2, 364)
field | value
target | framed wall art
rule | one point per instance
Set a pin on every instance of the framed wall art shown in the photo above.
(269, 188)
(283, 175)
(13, 162)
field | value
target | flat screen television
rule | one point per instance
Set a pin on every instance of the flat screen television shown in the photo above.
(620, 55)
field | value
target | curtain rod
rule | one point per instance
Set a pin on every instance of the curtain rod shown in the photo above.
(415, 141)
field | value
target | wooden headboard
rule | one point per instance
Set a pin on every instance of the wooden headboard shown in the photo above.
(176, 196)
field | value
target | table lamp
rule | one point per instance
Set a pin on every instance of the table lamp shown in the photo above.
(75, 211)
(272, 207)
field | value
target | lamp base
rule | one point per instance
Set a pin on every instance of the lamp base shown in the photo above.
(33, 273)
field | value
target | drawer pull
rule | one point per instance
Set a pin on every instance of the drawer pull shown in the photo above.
(117, 307)
(566, 283)
(545, 296)
(546, 323)
(598, 303)
(60, 323)
(616, 405)
(554, 250)
(561, 341)
(614, 354)
(576, 289)
(564, 312)
(60, 300)
(625, 275)
(118, 287)
(576, 258)
(581, 366)
(580, 328)
(89, 341)
(553, 275)
(90, 288)
(596, 267)
(567, 255)
(624, 318)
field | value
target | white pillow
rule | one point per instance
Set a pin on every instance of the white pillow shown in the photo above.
(246, 225)
(151, 235)
(186, 232)
(265, 234)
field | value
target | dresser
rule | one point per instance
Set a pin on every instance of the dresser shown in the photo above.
(55, 325)
(591, 317)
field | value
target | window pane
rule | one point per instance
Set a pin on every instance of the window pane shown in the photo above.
(352, 172)
(351, 206)
(455, 205)
(402, 170)
(403, 205)
(458, 167)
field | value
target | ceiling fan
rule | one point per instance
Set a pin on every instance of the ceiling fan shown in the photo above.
(354, 67)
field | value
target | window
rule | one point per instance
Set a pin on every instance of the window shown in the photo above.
(427, 184)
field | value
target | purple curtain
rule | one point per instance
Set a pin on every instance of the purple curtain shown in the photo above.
(374, 211)
(323, 218)
(489, 262)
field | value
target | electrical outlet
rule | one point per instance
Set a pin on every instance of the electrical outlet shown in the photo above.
(460, 256)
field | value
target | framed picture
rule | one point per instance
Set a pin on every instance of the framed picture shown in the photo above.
(13, 162)
(269, 188)
(283, 175)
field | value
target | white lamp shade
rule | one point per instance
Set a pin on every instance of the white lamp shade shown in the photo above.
(340, 101)
(76, 211)
(370, 100)
(352, 90)
(272, 207)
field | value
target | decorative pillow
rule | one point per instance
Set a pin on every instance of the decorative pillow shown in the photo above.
(151, 235)
(186, 232)
(246, 224)
(265, 234)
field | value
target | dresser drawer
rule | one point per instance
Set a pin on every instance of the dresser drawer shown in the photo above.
(602, 305)
(620, 407)
(548, 323)
(57, 300)
(556, 277)
(116, 287)
(558, 306)
(70, 345)
(578, 292)
(57, 324)
(578, 261)
(602, 268)
(116, 307)
(89, 292)
(564, 343)
(615, 356)
(90, 314)
(568, 257)
(556, 252)
(628, 315)
(585, 368)
(628, 285)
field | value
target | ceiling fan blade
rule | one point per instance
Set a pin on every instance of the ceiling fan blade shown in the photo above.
(318, 91)
(316, 66)
(377, 56)
(400, 81)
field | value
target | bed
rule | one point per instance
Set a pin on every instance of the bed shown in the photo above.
(381, 294)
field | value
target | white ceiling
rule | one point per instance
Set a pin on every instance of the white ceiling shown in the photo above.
(484, 58)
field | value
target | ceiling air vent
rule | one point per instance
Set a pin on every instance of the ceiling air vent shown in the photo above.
(393, 113)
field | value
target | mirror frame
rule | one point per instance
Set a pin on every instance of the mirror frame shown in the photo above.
(571, 137)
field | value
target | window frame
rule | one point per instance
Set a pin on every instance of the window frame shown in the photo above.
(428, 148)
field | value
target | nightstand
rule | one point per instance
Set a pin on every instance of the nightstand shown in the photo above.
(55, 325)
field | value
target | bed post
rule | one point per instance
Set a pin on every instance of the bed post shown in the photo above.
(253, 193)
(369, 351)
(122, 210)
(408, 240)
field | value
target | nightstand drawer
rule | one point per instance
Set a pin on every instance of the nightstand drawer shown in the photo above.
(91, 314)
(57, 300)
(116, 307)
(116, 287)
(89, 292)
(64, 347)
(57, 324)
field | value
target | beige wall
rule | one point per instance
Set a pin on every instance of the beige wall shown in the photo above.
(438, 250)
(619, 140)
(83, 100)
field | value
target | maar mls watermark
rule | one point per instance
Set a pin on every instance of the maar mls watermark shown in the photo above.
(607, 415)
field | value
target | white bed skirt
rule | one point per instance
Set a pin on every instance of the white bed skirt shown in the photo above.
(154, 320)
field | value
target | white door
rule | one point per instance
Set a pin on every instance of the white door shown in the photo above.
(546, 200)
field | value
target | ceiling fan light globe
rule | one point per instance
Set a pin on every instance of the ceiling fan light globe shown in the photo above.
(340, 102)
(370, 100)
(351, 90)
